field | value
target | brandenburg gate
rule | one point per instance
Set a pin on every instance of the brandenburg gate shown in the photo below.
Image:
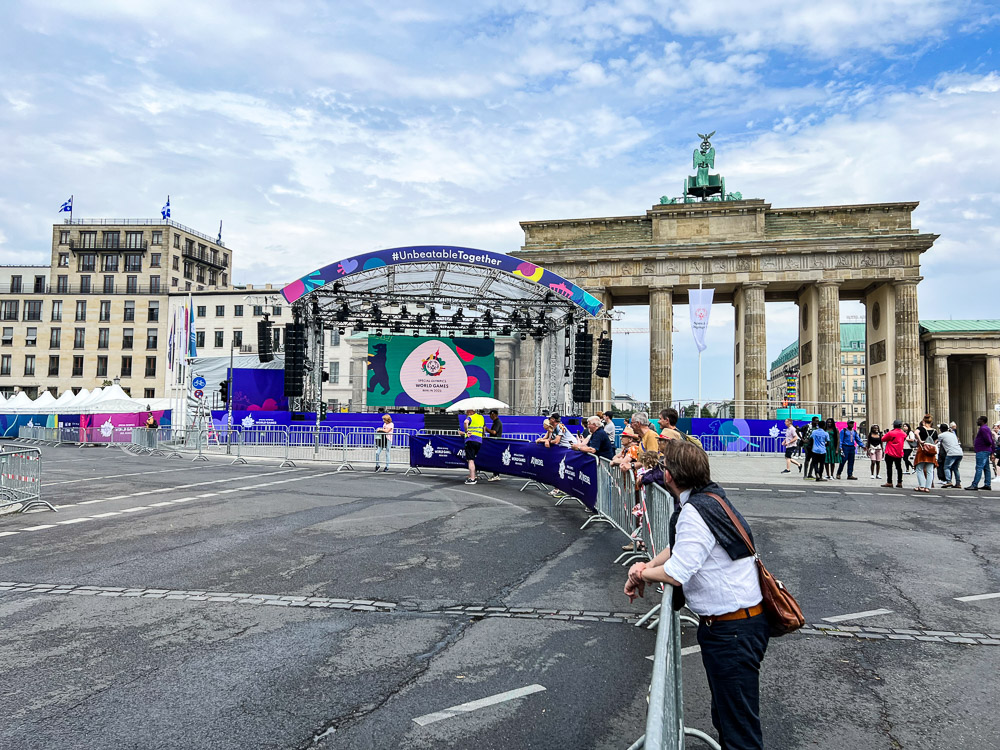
(750, 253)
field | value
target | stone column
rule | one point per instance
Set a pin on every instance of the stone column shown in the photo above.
(992, 386)
(754, 352)
(940, 406)
(661, 354)
(966, 408)
(828, 376)
(908, 370)
(979, 405)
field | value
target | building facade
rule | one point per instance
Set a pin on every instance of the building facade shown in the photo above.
(97, 312)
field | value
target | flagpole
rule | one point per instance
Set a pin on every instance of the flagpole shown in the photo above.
(71, 209)
(698, 408)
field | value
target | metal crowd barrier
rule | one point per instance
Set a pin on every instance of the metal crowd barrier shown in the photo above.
(21, 478)
(745, 446)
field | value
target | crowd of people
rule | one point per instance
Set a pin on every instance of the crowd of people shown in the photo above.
(931, 452)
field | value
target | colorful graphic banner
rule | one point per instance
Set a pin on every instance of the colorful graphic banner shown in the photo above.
(701, 310)
(431, 253)
(258, 390)
(418, 371)
(568, 470)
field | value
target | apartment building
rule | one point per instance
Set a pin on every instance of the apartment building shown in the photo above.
(97, 312)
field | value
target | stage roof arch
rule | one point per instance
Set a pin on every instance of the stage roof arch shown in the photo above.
(498, 289)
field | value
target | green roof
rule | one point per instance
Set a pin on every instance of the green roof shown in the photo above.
(852, 339)
(959, 326)
(792, 350)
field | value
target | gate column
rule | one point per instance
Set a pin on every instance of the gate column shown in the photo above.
(661, 355)
(828, 377)
(939, 405)
(751, 352)
(908, 369)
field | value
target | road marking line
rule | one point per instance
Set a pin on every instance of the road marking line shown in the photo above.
(794, 492)
(133, 510)
(824, 492)
(977, 597)
(465, 708)
(72, 520)
(858, 615)
(690, 650)
(112, 476)
(887, 494)
(105, 515)
(38, 528)
(866, 494)
(754, 489)
(8, 533)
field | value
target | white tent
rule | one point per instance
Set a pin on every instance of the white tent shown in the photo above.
(82, 400)
(160, 404)
(113, 400)
(63, 404)
(20, 403)
(43, 404)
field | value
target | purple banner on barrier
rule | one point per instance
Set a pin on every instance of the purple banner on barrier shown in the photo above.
(570, 471)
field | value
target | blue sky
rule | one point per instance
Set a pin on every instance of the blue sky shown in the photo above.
(318, 129)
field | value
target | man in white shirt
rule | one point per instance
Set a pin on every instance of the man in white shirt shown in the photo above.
(609, 425)
(709, 564)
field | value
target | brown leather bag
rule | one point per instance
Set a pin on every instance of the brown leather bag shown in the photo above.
(782, 611)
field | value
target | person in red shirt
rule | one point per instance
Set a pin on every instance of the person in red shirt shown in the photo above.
(895, 445)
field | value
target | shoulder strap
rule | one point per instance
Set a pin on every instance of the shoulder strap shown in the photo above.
(736, 522)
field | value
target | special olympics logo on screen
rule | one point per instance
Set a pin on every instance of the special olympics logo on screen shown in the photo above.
(428, 450)
(433, 365)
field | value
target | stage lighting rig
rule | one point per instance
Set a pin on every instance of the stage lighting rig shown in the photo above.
(342, 313)
(403, 313)
(376, 314)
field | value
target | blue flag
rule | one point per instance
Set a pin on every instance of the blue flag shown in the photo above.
(67, 206)
(219, 240)
(165, 211)
(192, 338)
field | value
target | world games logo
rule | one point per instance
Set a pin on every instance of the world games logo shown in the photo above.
(433, 365)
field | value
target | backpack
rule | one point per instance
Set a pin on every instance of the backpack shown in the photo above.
(692, 439)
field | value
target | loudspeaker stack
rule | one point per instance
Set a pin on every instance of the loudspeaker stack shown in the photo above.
(264, 351)
(583, 352)
(603, 358)
(295, 359)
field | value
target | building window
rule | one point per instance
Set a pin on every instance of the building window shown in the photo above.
(151, 340)
(187, 286)
(150, 367)
(109, 264)
(157, 238)
(55, 337)
(334, 373)
(237, 311)
(201, 311)
(127, 336)
(102, 367)
(276, 310)
(212, 279)
(31, 337)
(5, 364)
(57, 310)
(153, 314)
(334, 337)
(173, 281)
(64, 237)
(81, 309)
(84, 285)
(154, 284)
(64, 260)
(39, 285)
(133, 263)
(33, 309)
(109, 285)
(237, 338)
(79, 338)
(15, 285)
(188, 270)
(103, 338)
(29, 364)
(199, 339)
(220, 311)
(220, 339)
(154, 260)
(177, 240)
(105, 313)
(200, 275)
(88, 263)
(8, 336)
(129, 311)
(131, 285)
(258, 310)
(88, 239)
(77, 367)
(176, 265)
(223, 279)
(133, 240)
(189, 244)
(9, 308)
(225, 260)
(126, 367)
(62, 284)
(53, 364)
(111, 240)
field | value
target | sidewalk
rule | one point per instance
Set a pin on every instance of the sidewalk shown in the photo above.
(756, 469)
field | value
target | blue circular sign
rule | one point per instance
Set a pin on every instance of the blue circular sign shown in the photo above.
(198, 382)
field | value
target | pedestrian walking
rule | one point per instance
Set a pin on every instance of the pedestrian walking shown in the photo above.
(817, 451)
(874, 450)
(807, 443)
(472, 430)
(495, 431)
(383, 441)
(925, 459)
(951, 447)
(712, 568)
(791, 443)
(909, 448)
(983, 445)
(894, 441)
(850, 441)
(832, 447)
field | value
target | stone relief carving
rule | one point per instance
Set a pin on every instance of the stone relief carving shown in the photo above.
(648, 268)
(769, 263)
(877, 352)
(843, 261)
(720, 265)
(868, 260)
(806, 353)
(818, 261)
(744, 264)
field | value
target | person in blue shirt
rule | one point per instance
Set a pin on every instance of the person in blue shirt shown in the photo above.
(817, 451)
(850, 441)
(599, 442)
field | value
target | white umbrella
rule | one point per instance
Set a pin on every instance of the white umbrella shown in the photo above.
(477, 403)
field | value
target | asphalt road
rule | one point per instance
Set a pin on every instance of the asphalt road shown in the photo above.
(189, 643)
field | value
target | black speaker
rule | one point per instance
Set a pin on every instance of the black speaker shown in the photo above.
(264, 351)
(295, 359)
(583, 366)
(603, 358)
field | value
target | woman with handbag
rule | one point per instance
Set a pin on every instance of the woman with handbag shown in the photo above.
(875, 450)
(926, 458)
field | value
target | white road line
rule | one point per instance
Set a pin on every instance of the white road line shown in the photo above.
(887, 494)
(824, 492)
(105, 515)
(794, 492)
(977, 597)
(690, 650)
(72, 520)
(858, 615)
(754, 489)
(113, 476)
(38, 528)
(866, 494)
(465, 708)
(8, 533)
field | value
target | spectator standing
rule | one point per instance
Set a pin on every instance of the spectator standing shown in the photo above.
(996, 447)
(926, 458)
(599, 443)
(712, 568)
(495, 431)
(790, 443)
(983, 445)
(817, 451)
(951, 448)
(473, 430)
(875, 450)
(383, 441)
(609, 425)
(909, 448)
(560, 433)
(629, 453)
(850, 441)
(668, 423)
(832, 447)
(894, 440)
(647, 436)
(807, 443)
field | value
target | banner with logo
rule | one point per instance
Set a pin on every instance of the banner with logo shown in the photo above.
(700, 304)
(570, 471)
(418, 371)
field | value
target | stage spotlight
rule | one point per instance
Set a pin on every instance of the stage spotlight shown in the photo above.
(359, 326)
(378, 331)
(432, 315)
(524, 336)
(488, 317)
(435, 330)
(403, 313)
(376, 314)
(486, 334)
(397, 327)
(505, 331)
(541, 318)
(420, 321)
(341, 331)
(416, 333)
(470, 331)
(458, 314)
(342, 313)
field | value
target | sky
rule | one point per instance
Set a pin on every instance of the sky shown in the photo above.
(315, 130)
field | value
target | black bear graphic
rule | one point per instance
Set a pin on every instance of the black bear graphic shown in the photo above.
(378, 375)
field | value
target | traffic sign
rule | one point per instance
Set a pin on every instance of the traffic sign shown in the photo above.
(198, 382)
(199, 393)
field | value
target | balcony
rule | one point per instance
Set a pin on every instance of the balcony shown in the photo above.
(141, 223)
(202, 256)
(76, 247)
(95, 290)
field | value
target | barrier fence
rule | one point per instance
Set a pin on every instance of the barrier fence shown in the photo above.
(21, 478)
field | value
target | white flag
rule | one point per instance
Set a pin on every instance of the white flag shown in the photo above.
(700, 305)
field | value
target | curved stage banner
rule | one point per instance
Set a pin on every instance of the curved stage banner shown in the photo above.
(570, 471)
(432, 253)
(417, 371)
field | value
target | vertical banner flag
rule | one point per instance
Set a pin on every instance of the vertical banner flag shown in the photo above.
(192, 339)
(172, 342)
(165, 211)
(700, 304)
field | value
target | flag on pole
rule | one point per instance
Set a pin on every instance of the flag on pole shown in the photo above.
(171, 359)
(219, 240)
(192, 339)
(700, 304)
(165, 211)
(67, 206)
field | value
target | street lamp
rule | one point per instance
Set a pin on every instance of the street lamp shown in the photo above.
(117, 380)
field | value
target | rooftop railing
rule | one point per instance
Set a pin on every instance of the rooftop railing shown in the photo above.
(142, 222)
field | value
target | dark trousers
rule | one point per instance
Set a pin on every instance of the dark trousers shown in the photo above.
(731, 652)
(846, 457)
(816, 463)
(896, 461)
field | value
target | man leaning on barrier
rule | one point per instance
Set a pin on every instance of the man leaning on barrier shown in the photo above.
(709, 564)
(599, 443)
